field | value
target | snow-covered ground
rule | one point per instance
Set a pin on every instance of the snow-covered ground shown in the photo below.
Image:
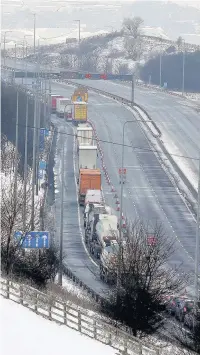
(25, 333)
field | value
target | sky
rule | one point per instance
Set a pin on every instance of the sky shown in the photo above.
(55, 19)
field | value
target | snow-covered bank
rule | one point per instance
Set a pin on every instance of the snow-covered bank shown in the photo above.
(23, 332)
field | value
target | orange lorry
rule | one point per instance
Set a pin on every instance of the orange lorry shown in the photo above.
(89, 179)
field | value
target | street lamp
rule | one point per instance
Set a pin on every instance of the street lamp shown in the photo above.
(196, 269)
(79, 30)
(61, 218)
(121, 195)
(183, 70)
(160, 69)
(34, 22)
(4, 47)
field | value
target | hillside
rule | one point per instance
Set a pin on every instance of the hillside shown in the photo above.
(23, 332)
(105, 52)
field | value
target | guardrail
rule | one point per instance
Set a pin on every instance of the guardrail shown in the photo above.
(61, 312)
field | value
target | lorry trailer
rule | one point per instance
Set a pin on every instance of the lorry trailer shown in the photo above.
(89, 179)
(54, 97)
(84, 135)
(87, 157)
(64, 107)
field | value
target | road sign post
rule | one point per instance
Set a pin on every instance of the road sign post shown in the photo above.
(122, 175)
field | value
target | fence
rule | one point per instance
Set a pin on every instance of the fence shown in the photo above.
(63, 313)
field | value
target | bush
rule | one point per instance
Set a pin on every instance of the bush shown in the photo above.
(36, 267)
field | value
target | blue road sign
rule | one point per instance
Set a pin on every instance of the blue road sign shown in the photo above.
(18, 235)
(42, 165)
(34, 240)
(79, 98)
(46, 132)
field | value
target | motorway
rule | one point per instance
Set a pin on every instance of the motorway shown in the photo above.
(177, 118)
(148, 192)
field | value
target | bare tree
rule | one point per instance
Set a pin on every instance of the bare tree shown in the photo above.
(132, 26)
(179, 42)
(133, 39)
(37, 267)
(144, 278)
(12, 203)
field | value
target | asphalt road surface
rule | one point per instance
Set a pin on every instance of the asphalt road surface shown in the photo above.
(177, 118)
(148, 193)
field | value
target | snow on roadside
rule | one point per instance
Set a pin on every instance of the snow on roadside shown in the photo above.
(23, 332)
(184, 164)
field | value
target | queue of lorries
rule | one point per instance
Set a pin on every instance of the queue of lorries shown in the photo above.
(100, 222)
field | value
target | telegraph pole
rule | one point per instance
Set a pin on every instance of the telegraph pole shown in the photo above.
(133, 89)
(15, 60)
(34, 21)
(196, 273)
(16, 151)
(38, 121)
(34, 163)
(160, 70)
(61, 219)
(25, 164)
(183, 72)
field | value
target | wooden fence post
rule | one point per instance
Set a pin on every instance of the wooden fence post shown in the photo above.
(140, 348)
(125, 346)
(109, 338)
(7, 289)
(50, 315)
(65, 314)
(21, 294)
(95, 329)
(79, 321)
(36, 303)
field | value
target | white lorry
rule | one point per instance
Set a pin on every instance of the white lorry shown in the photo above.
(64, 108)
(93, 196)
(84, 135)
(103, 231)
(87, 157)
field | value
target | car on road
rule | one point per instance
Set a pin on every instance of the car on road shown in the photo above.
(184, 307)
(173, 304)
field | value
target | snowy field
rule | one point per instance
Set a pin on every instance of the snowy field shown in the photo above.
(25, 333)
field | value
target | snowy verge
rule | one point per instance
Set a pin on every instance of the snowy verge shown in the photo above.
(50, 337)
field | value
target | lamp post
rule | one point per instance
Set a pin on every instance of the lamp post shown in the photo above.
(121, 198)
(160, 69)
(26, 55)
(34, 25)
(79, 30)
(61, 218)
(183, 70)
(196, 269)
